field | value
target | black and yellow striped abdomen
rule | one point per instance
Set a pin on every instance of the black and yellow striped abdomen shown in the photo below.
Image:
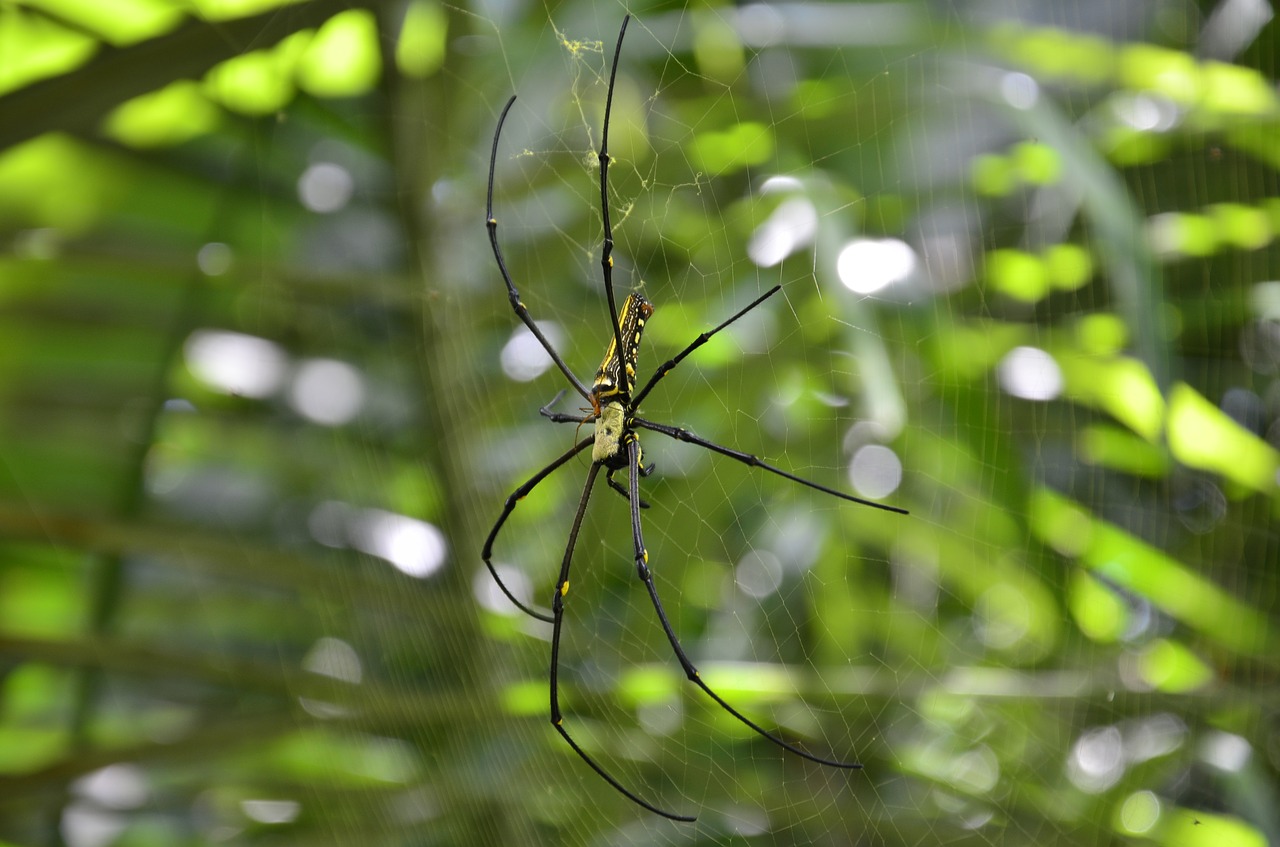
(617, 374)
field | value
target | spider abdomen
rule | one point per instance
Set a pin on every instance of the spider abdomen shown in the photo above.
(617, 374)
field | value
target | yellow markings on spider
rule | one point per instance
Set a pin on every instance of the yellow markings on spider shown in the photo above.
(609, 377)
(564, 589)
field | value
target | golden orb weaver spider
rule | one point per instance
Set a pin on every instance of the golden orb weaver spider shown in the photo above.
(615, 446)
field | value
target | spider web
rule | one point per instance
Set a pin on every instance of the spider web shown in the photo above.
(738, 555)
(943, 650)
(1026, 258)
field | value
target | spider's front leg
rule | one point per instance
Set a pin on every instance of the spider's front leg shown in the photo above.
(562, 417)
(517, 305)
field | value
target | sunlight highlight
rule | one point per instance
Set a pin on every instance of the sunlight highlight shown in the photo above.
(118, 786)
(791, 226)
(214, 258)
(327, 392)
(235, 363)
(875, 471)
(523, 357)
(1097, 760)
(866, 265)
(271, 811)
(334, 658)
(325, 187)
(85, 825)
(759, 574)
(1019, 90)
(1030, 373)
(1140, 813)
(414, 547)
(1145, 112)
(1226, 751)
(490, 596)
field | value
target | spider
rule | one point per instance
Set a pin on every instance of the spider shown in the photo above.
(615, 446)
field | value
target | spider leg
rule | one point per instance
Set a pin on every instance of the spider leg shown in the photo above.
(561, 417)
(606, 252)
(617, 486)
(680, 434)
(514, 296)
(670, 364)
(690, 670)
(557, 609)
(514, 498)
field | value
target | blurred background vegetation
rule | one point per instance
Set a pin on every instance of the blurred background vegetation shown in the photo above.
(262, 395)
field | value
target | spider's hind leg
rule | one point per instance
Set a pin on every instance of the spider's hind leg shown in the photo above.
(641, 467)
(618, 487)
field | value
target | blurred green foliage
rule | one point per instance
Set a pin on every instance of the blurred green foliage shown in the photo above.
(259, 407)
